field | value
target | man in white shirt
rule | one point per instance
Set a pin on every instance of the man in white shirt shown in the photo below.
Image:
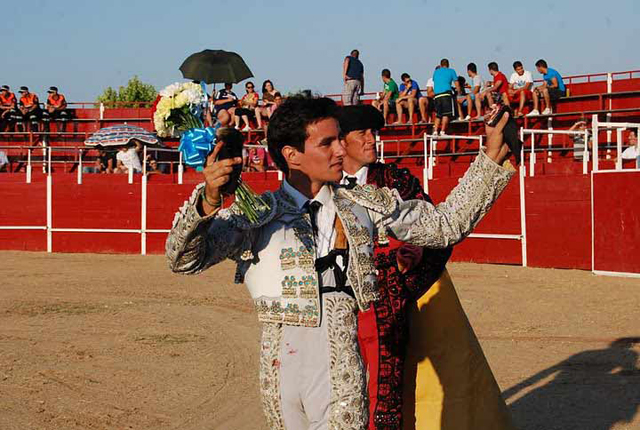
(633, 151)
(520, 85)
(423, 102)
(475, 88)
(127, 158)
(292, 259)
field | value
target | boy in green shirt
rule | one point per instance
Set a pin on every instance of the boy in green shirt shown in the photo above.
(386, 99)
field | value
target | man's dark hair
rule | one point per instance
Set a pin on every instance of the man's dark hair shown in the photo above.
(277, 94)
(405, 76)
(355, 53)
(472, 67)
(386, 73)
(288, 124)
(517, 64)
(444, 62)
(493, 66)
(541, 63)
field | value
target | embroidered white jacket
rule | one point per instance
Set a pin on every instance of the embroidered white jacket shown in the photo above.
(275, 256)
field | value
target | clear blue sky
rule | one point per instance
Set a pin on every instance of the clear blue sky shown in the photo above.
(85, 46)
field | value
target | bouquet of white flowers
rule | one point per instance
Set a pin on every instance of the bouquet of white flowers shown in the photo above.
(179, 109)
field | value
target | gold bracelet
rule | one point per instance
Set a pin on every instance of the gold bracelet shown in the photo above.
(213, 205)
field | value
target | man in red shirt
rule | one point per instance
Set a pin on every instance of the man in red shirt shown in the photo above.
(29, 109)
(498, 92)
(56, 108)
(7, 105)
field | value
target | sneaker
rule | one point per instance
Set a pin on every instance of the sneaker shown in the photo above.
(247, 128)
(467, 118)
(442, 133)
(547, 111)
(533, 113)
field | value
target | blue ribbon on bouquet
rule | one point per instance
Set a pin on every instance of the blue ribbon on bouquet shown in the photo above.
(196, 144)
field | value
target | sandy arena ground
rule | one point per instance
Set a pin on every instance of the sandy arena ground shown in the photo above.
(118, 342)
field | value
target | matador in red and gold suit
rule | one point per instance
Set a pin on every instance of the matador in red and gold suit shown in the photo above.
(426, 369)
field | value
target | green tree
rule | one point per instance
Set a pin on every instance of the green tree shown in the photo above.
(135, 91)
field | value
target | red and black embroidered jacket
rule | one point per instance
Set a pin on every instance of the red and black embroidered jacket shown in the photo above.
(397, 291)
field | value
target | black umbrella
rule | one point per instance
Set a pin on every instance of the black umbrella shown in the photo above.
(215, 67)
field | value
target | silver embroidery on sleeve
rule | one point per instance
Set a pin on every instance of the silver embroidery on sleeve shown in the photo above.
(270, 375)
(349, 409)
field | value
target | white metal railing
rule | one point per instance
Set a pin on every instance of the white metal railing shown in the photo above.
(550, 133)
(50, 229)
(609, 126)
(430, 156)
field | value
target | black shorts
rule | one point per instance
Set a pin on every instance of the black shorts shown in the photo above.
(555, 94)
(244, 111)
(56, 115)
(445, 105)
(34, 115)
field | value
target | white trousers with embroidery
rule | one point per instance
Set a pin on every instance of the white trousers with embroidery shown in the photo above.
(312, 378)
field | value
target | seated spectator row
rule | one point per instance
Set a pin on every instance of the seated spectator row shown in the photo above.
(27, 112)
(231, 110)
(450, 96)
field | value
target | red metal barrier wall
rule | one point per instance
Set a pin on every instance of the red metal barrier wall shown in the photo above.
(504, 218)
(558, 221)
(616, 202)
(558, 216)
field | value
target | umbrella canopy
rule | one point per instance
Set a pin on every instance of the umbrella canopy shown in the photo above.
(215, 67)
(119, 135)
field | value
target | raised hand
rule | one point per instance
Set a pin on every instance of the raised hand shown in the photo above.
(496, 148)
(216, 174)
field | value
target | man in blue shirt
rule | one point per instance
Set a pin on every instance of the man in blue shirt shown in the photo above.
(409, 96)
(353, 75)
(552, 88)
(444, 79)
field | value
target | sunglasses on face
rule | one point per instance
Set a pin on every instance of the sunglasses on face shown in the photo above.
(249, 88)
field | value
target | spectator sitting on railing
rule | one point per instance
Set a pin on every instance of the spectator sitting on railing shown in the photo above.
(387, 98)
(7, 106)
(127, 158)
(224, 105)
(476, 87)
(426, 100)
(268, 101)
(578, 139)
(29, 110)
(247, 108)
(520, 84)
(56, 108)
(633, 151)
(497, 92)
(552, 89)
(4, 161)
(408, 97)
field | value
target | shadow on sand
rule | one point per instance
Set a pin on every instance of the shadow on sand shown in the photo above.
(591, 390)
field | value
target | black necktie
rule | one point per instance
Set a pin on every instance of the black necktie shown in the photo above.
(352, 181)
(312, 207)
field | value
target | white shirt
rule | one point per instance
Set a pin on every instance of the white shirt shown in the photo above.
(130, 159)
(3, 159)
(520, 82)
(360, 175)
(325, 221)
(631, 153)
(430, 83)
(477, 81)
